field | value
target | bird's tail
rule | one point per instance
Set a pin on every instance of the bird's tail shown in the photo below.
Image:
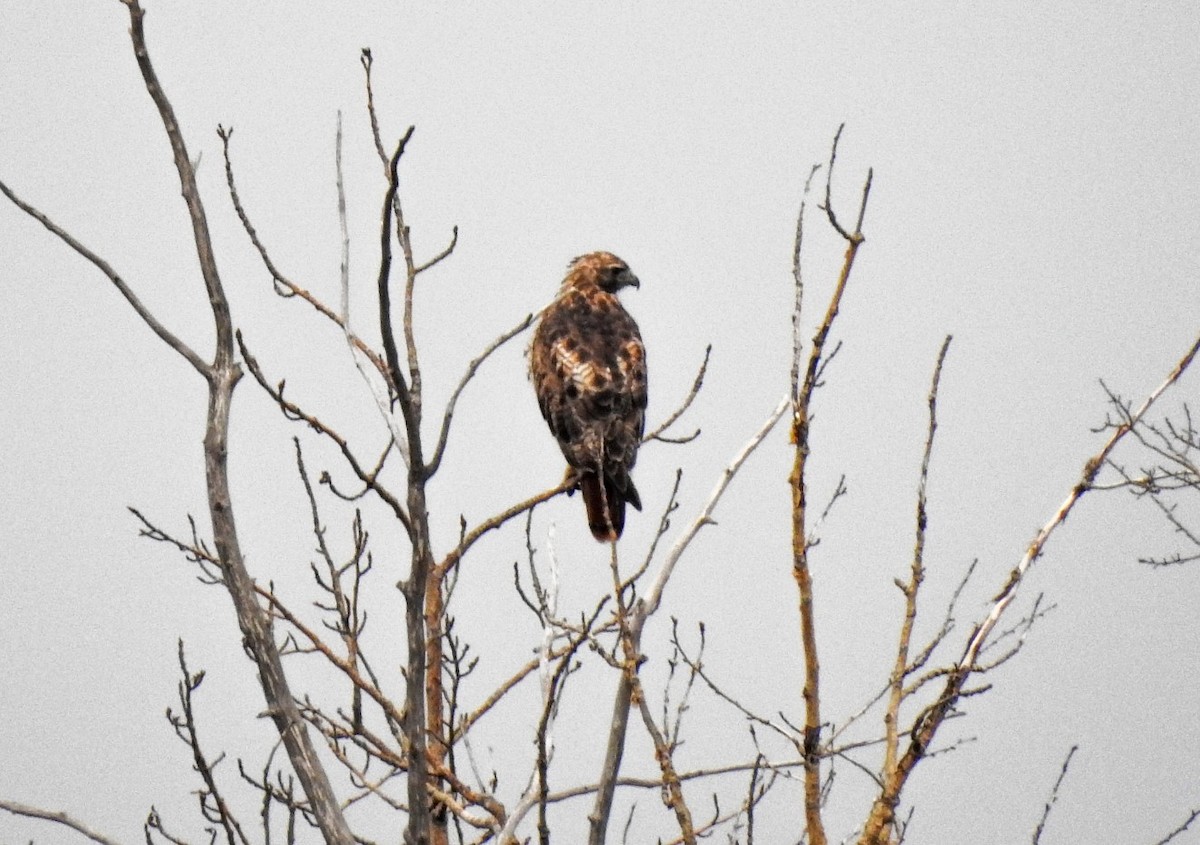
(606, 524)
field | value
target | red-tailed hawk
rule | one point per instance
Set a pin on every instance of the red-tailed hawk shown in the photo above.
(589, 371)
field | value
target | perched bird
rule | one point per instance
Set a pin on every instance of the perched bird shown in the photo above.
(588, 367)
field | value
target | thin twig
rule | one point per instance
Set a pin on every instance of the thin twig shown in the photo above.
(911, 589)
(294, 412)
(472, 368)
(189, 355)
(697, 383)
(1050, 802)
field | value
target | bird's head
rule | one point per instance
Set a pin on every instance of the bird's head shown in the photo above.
(604, 270)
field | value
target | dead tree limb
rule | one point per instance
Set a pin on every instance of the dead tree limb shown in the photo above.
(638, 615)
(18, 809)
(876, 831)
(802, 394)
(222, 376)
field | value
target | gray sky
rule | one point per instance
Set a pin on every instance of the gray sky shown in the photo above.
(1035, 196)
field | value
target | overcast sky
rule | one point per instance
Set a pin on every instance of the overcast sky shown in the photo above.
(1035, 195)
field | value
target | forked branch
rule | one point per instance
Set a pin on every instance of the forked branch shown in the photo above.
(875, 832)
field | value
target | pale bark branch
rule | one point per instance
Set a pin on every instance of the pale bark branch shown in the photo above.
(223, 376)
(18, 809)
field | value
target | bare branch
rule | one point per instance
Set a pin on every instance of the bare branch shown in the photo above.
(367, 61)
(632, 632)
(654, 596)
(472, 368)
(926, 726)
(191, 193)
(451, 560)
(1050, 802)
(212, 805)
(349, 669)
(440, 257)
(104, 267)
(901, 669)
(1005, 597)
(801, 401)
(359, 351)
(223, 376)
(798, 284)
(697, 383)
(1195, 814)
(294, 412)
(65, 820)
(670, 779)
(391, 355)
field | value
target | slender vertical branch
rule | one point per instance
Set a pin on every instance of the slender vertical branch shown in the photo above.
(212, 804)
(798, 284)
(801, 571)
(891, 718)
(670, 778)
(422, 594)
(187, 180)
(1053, 799)
(391, 354)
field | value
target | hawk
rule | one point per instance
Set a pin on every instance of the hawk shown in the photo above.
(588, 367)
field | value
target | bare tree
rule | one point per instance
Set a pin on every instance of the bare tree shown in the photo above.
(405, 743)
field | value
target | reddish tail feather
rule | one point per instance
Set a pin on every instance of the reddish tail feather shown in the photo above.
(605, 528)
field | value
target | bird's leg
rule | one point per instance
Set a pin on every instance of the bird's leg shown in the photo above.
(575, 477)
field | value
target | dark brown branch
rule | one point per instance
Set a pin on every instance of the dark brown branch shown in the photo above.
(1050, 802)
(391, 354)
(470, 538)
(294, 412)
(697, 383)
(212, 805)
(472, 368)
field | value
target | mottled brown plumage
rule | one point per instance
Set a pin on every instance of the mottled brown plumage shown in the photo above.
(589, 371)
